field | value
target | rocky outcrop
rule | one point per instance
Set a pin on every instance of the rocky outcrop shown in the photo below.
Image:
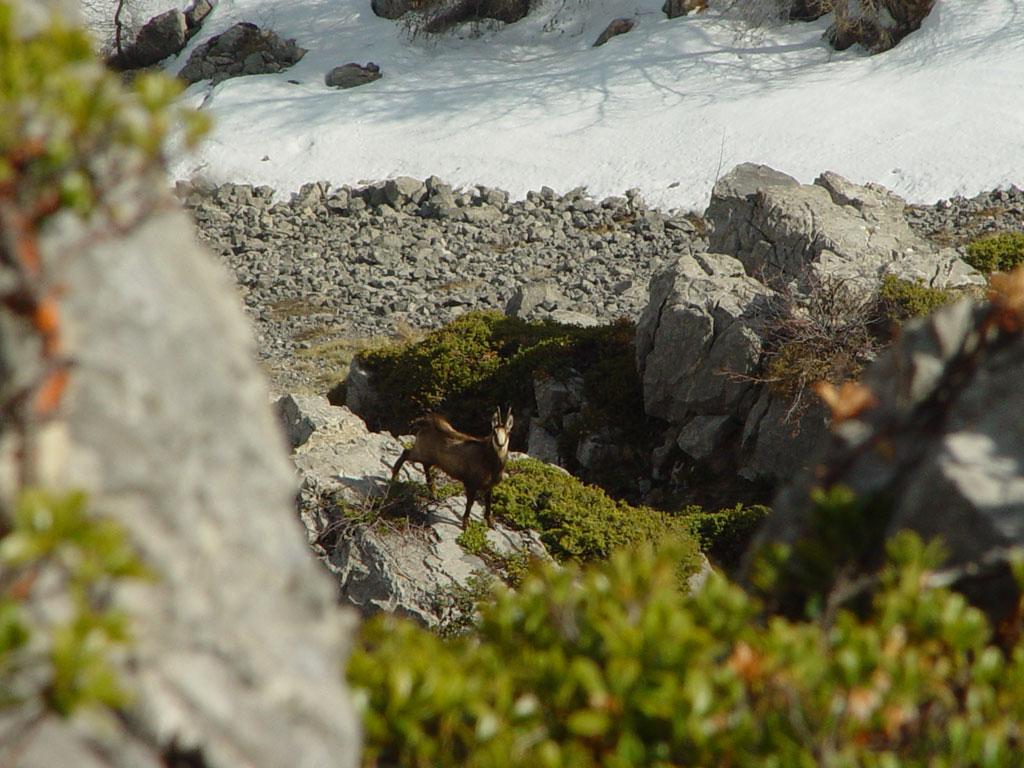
(162, 36)
(391, 9)
(387, 551)
(780, 229)
(417, 252)
(238, 646)
(541, 300)
(243, 49)
(943, 446)
(700, 339)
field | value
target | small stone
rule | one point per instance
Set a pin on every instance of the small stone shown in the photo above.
(615, 28)
(352, 75)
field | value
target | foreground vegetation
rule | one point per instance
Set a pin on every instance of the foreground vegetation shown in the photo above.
(615, 666)
(59, 659)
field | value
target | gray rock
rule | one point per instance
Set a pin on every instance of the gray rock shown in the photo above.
(302, 415)
(533, 298)
(779, 228)
(352, 75)
(697, 340)
(777, 444)
(950, 411)
(615, 28)
(596, 451)
(360, 396)
(556, 398)
(404, 189)
(482, 215)
(701, 435)
(196, 14)
(541, 444)
(569, 317)
(238, 646)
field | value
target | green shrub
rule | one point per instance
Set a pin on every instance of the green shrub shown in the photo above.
(614, 666)
(61, 662)
(581, 522)
(725, 535)
(484, 359)
(905, 299)
(996, 253)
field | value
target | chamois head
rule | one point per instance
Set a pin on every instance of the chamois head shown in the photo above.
(501, 431)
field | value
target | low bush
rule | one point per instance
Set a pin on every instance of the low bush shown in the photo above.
(614, 666)
(483, 359)
(903, 300)
(581, 522)
(996, 253)
(725, 535)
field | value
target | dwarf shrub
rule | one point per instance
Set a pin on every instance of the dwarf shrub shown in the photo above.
(613, 665)
(902, 300)
(996, 253)
(483, 359)
(581, 522)
(724, 535)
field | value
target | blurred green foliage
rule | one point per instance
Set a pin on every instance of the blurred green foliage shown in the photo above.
(58, 633)
(614, 666)
(60, 109)
(996, 253)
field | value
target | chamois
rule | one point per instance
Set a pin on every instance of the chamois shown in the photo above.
(477, 462)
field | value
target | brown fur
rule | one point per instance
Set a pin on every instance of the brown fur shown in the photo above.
(476, 462)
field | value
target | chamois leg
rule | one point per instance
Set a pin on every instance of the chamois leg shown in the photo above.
(428, 470)
(487, 510)
(470, 498)
(399, 463)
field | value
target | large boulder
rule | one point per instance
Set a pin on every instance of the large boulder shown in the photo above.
(238, 646)
(386, 554)
(697, 339)
(780, 229)
(162, 36)
(943, 444)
